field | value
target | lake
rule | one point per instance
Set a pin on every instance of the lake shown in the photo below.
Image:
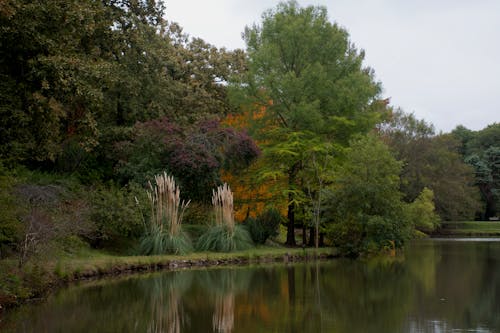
(436, 286)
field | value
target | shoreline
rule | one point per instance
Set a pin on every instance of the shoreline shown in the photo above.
(468, 229)
(68, 271)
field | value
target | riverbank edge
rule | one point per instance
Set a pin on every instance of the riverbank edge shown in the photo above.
(58, 274)
(468, 229)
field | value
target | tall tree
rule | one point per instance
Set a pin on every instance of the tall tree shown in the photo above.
(76, 75)
(310, 78)
(481, 149)
(431, 161)
(53, 61)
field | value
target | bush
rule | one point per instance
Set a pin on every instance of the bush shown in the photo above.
(364, 206)
(197, 214)
(116, 215)
(264, 226)
(221, 238)
(421, 212)
(195, 231)
(11, 210)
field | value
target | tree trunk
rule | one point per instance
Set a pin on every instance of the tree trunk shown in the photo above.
(290, 233)
(311, 236)
(304, 235)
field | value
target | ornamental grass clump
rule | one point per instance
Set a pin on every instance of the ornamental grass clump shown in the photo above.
(225, 235)
(164, 233)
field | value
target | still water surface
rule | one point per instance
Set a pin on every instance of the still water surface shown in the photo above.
(437, 286)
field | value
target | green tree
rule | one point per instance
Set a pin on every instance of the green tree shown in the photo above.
(53, 61)
(481, 149)
(431, 161)
(364, 207)
(422, 212)
(307, 74)
(76, 75)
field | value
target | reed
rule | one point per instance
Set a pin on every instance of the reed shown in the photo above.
(164, 233)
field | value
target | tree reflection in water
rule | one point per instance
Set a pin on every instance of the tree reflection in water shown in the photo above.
(435, 285)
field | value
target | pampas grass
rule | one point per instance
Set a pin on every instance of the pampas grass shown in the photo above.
(222, 200)
(225, 235)
(164, 232)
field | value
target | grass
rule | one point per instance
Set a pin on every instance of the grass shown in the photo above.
(164, 232)
(470, 228)
(225, 235)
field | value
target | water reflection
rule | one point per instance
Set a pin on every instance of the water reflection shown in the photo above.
(165, 301)
(436, 286)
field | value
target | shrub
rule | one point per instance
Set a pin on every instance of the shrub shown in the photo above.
(421, 212)
(115, 215)
(10, 223)
(264, 226)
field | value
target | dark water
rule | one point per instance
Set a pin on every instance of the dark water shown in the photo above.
(437, 286)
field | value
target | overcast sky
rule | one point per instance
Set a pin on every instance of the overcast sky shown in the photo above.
(439, 59)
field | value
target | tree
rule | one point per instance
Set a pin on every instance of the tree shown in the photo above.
(431, 161)
(481, 149)
(72, 72)
(311, 81)
(54, 59)
(195, 155)
(487, 174)
(364, 208)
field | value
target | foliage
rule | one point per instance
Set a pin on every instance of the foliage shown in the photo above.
(309, 78)
(42, 214)
(163, 232)
(364, 207)
(431, 161)
(194, 154)
(198, 214)
(481, 150)
(264, 225)
(422, 212)
(72, 71)
(116, 216)
(12, 211)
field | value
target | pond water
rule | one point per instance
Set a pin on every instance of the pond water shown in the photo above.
(437, 286)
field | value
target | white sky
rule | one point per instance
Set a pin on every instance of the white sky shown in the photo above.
(437, 58)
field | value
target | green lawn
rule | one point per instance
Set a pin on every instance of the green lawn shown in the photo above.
(470, 228)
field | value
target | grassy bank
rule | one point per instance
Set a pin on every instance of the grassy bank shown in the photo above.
(37, 278)
(469, 229)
